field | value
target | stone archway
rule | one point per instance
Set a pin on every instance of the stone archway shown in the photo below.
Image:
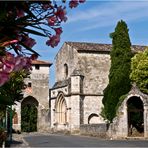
(135, 113)
(93, 118)
(29, 114)
(61, 110)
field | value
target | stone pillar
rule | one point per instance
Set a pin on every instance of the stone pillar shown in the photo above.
(146, 121)
(76, 90)
(53, 114)
(75, 113)
(43, 123)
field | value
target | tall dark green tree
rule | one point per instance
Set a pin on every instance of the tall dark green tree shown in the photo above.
(119, 82)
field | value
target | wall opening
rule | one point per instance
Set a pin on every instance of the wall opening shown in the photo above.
(135, 111)
(93, 118)
(37, 66)
(29, 114)
(66, 70)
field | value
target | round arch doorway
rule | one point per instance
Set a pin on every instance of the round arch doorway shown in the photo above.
(29, 114)
(135, 117)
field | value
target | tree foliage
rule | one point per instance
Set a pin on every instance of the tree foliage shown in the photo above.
(119, 82)
(12, 90)
(139, 67)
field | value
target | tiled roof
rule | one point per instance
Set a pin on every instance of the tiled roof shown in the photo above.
(34, 62)
(95, 47)
(61, 84)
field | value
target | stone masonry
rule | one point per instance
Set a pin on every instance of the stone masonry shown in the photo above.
(37, 93)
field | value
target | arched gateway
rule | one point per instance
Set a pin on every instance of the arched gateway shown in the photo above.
(135, 114)
(29, 114)
(132, 116)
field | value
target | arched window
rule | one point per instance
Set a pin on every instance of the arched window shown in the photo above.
(93, 118)
(61, 110)
(65, 70)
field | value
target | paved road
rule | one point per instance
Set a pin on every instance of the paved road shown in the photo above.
(79, 141)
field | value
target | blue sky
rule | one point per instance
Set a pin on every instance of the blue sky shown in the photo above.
(93, 21)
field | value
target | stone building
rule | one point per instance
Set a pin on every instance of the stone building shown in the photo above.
(81, 75)
(76, 98)
(35, 95)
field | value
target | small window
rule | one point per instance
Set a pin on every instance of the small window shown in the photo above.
(65, 70)
(29, 84)
(37, 67)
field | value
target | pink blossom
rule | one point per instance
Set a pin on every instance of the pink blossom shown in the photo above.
(73, 3)
(20, 13)
(51, 20)
(7, 43)
(22, 62)
(82, 1)
(61, 13)
(46, 6)
(29, 42)
(4, 77)
(8, 62)
(33, 57)
(58, 30)
(53, 41)
(8, 66)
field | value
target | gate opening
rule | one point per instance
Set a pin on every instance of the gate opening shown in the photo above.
(135, 117)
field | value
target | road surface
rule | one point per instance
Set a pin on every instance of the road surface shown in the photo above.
(53, 140)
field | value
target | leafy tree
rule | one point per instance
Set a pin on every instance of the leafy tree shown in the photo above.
(139, 67)
(119, 82)
(12, 90)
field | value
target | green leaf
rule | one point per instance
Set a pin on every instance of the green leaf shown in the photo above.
(31, 31)
(28, 48)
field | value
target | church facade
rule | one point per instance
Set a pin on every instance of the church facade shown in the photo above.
(81, 76)
(82, 71)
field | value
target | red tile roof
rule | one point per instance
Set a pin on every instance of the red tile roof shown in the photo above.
(39, 62)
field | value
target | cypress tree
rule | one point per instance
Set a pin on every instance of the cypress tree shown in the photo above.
(119, 82)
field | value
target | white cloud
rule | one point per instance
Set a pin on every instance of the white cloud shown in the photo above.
(109, 13)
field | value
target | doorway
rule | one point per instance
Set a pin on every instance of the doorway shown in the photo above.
(29, 115)
(135, 117)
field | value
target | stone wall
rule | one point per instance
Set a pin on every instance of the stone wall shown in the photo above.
(92, 105)
(67, 55)
(94, 130)
(95, 68)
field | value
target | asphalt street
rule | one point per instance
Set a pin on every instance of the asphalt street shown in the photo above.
(52, 140)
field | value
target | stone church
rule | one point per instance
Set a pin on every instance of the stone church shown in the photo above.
(76, 98)
(35, 95)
